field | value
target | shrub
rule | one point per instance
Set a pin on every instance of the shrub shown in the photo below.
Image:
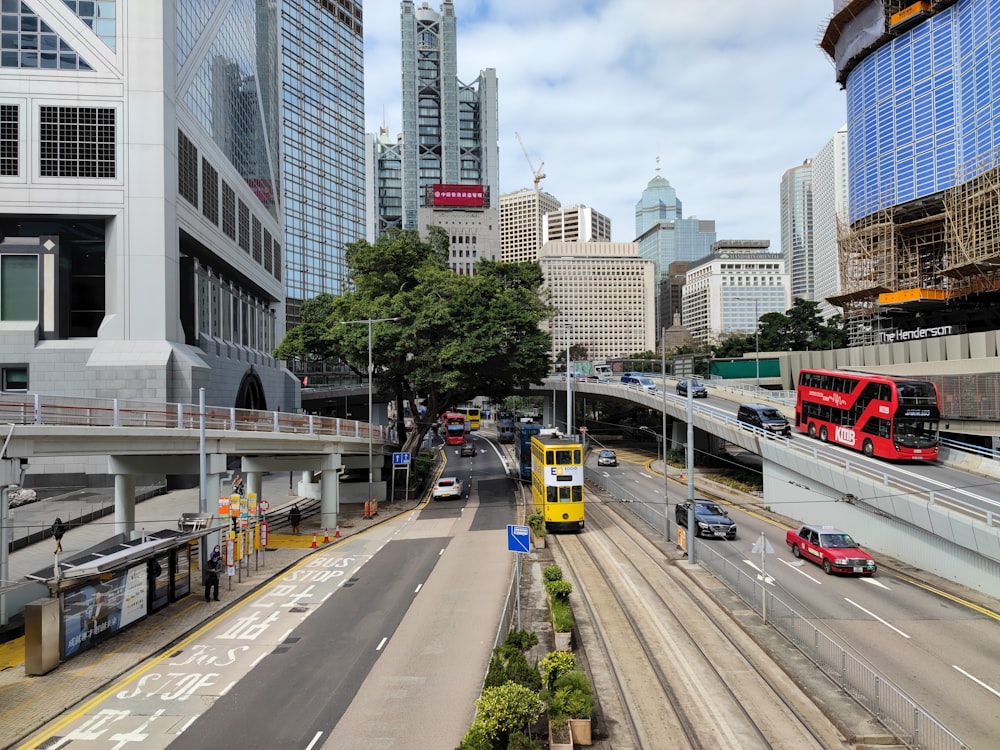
(522, 640)
(559, 589)
(521, 741)
(571, 696)
(476, 738)
(503, 709)
(552, 573)
(554, 664)
(537, 524)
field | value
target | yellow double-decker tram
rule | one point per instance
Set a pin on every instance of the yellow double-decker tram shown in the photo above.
(557, 482)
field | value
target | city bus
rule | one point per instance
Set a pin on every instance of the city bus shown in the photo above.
(882, 416)
(454, 428)
(557, 482)
(523, 432)
(472, 416)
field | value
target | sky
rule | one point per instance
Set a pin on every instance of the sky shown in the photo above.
(725, 95)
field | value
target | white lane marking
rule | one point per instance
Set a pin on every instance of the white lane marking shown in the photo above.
(441, 552)
(188, 723)
(872, 614)
(977, 681)
(314, 741)
(257, 661)
(417, 589)
(796, 567)
(648, 476)
(761, 575)
(871, 581)
(381, 644)
(285, 636)
(227, 688)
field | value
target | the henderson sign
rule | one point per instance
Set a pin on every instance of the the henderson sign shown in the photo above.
(889, 337)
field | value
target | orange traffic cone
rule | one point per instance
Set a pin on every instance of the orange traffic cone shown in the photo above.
(374, 507)
(314, 540)
(326, 535)
(337, 533)
(368, 507)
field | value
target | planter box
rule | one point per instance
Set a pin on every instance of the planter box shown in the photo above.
(580, 731)
(539, 541)
(562, 740)
(562, 641)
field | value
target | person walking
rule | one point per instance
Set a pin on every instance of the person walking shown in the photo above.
(238, 488)
(295, 518)
(212, 576)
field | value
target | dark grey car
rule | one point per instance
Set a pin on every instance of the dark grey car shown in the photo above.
(697, 389)
(709, 519)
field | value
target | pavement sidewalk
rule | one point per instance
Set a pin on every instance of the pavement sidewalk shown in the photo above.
(27, 703)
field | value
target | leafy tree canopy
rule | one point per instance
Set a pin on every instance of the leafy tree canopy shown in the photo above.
(457, 336)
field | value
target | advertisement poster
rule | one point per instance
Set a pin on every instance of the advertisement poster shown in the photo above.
(94, 612)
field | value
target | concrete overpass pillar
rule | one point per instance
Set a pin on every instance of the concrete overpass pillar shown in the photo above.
(124, 504)
(329, 507)
(254, 484)
(678, 434)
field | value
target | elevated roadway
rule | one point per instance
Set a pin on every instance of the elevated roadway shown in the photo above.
(941, 517)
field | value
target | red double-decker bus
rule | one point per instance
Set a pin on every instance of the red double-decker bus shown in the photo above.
(454, 428)
(883, 416)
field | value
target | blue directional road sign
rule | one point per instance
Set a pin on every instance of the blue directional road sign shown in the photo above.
(399, 459)
(518, 538)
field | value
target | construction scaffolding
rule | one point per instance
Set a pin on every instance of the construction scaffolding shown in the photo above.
(938, 249)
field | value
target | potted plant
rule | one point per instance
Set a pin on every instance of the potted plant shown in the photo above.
(536, 523)
(560, 735)
(571, 697)
(559, 607)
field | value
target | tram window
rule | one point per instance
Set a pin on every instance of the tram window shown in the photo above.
(552, 495)
(577, 494)
(564, 457)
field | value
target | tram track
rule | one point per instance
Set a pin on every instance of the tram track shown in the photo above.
(686, 676)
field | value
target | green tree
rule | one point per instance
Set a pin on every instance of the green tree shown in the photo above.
(800, 328)
(457, 336)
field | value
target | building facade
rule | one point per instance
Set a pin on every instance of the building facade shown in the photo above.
(521, 215)
(829, 212)
(450, 128)
(473, 226)
(727, 291)
(604, 292)
(923, 138)
(797, 228)
(141, 202)
(576, 224)
(322, 71)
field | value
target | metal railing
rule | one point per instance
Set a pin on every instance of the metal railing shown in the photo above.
(895, 710)
(67, 411)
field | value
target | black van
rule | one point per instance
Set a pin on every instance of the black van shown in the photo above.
(765, 418)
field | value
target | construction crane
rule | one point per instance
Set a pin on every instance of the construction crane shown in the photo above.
(538, 174)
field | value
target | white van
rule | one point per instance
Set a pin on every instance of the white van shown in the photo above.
(639, 381)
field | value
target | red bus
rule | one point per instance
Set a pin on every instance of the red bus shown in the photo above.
(454, 428)
(879, 415)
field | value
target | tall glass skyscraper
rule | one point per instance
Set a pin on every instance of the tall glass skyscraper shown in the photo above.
(449, 127)
(797, 228)
(923, 166)
(322, 67)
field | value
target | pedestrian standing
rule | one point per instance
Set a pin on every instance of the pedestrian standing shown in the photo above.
(295, 518)
(212, 576)
(238, 485)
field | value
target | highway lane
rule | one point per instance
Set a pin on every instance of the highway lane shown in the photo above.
(939, 651)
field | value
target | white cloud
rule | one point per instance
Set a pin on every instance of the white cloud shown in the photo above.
(728, 94)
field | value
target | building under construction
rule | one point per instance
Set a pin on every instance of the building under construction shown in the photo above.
(921, 253)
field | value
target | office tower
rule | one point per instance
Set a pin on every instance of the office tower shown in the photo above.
(576, 224)
(797, 228)
(141, 206)
(322, 60)
(728, 290)
(473, 228)
(605, 292)
(449, 127)
(829, 210)
(923, 168)
(521, 214)
(664, 235)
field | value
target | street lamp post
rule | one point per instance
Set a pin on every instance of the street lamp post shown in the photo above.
(569, 387)
(756, 333)
(371, 372)
(663, 430)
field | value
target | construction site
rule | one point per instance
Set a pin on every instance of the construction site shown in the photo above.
(931, 262)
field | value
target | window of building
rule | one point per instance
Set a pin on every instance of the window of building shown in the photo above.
(15, 378)
(29, 42)
(77, 142)
(210, 192)
(19, 292)
(187, 169)
(99, 16)
(244, 227)
(9, 137)
(228, 210)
